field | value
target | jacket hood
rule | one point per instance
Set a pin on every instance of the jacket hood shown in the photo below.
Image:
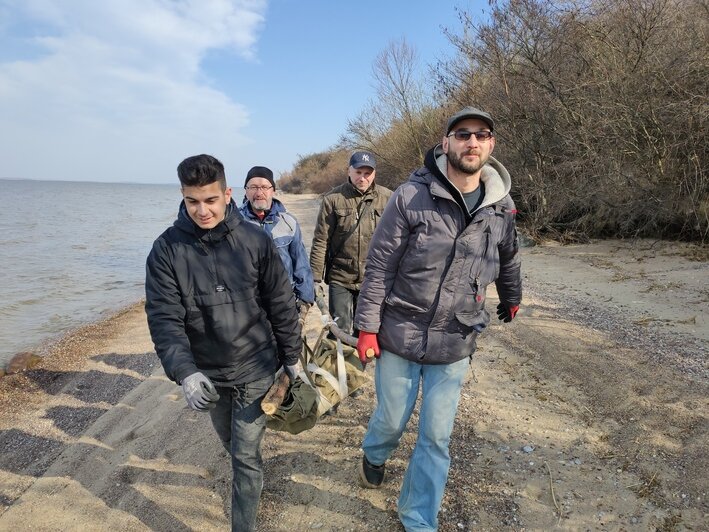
(494, 175)
(186, 224)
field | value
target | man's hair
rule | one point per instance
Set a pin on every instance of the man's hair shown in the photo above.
(201, 170)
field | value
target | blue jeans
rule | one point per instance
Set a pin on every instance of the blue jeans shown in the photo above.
(397, 383)
(240, 424)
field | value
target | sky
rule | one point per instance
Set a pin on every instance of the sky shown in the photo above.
(123, 90)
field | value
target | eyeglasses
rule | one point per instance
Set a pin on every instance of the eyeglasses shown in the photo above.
(255, 188)
(462, 134)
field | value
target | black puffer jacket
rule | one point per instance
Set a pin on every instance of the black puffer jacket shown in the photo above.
(430, 263)
(220, 302)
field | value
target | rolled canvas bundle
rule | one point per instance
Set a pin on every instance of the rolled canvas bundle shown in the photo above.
(331, 372)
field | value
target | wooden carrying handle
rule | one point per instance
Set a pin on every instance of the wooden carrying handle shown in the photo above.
(275, 395)
(369, 352)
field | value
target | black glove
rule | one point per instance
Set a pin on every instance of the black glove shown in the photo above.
(505, 313)
(200, 393)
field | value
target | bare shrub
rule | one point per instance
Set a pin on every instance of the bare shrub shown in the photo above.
(602, 108)
(317, 172)
(402, 122)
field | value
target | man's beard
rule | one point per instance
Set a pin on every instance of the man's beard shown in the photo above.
(459, 164)
(261, 205)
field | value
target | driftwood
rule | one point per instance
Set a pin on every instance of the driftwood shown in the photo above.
(273, 399)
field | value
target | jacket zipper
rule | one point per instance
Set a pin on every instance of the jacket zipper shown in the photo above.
(218, 287)
(482, 260)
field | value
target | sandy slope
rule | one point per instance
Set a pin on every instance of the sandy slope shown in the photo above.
(588, 412)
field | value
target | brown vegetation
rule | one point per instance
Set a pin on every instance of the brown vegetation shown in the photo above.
(601, 107)
(316, 173)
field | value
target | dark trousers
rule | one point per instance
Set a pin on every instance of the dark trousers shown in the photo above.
(240, 424)
(343, 305)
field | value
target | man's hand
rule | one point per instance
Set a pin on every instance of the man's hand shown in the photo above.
(291, 371)
(320, 289)
(200, 393)
(303, 313)
(505, 313)
(367, 347)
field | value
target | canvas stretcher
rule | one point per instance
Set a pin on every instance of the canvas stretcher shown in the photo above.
(331, 371)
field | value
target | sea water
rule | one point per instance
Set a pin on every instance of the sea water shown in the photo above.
(72, 253)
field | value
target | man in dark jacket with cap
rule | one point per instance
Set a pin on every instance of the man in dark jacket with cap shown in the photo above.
(446, 234)
(346, 221)
(222, 317)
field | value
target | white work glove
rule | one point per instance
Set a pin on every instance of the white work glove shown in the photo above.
(200, 393)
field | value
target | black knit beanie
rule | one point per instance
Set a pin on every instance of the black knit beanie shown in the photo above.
(260, 171)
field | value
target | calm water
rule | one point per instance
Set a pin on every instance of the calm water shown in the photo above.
(72, 253)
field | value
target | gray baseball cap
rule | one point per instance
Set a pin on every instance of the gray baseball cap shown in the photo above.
(470, 112)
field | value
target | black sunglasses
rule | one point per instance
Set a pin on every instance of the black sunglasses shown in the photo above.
(462, 134)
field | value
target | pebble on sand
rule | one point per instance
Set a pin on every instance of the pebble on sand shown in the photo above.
(21, 362)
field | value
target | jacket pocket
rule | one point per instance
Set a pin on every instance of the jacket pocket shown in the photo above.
(346, 218)
(394, 301)
(283, 241)
(475, 321)
(216, 321)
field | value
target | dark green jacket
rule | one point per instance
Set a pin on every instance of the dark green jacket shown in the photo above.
(338, 248)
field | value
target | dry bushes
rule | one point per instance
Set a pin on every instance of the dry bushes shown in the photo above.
(317, 173)
(602, 107)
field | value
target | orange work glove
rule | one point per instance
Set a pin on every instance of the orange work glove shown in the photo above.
(367, 347)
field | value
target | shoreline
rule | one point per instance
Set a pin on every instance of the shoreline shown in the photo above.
(62, 343)
(69, 352)
(68, 348)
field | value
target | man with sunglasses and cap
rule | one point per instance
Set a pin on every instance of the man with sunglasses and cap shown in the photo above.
(261, 208)
(446, 234)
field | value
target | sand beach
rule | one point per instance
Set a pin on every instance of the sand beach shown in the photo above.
(588, 412)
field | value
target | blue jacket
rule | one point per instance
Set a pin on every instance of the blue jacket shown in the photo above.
(285, 232)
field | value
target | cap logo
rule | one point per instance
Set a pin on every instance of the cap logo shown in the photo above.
(365, 157)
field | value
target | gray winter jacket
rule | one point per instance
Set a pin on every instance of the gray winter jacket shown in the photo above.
(430, 263)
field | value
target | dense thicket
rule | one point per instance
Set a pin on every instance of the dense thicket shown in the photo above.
(601, 108)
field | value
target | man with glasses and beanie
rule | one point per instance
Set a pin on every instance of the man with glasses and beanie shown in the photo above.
(348, 215)
(261, 208)
(222, 316)
(446, 234)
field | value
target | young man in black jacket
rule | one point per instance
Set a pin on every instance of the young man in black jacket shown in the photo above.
(222, 316)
